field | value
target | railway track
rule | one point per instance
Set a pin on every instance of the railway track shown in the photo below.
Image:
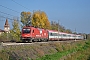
(14, 43)
(9, 43)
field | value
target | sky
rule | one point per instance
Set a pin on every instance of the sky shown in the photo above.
(72, 14)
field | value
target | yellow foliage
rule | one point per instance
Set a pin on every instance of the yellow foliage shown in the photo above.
(40, 19)
(25, 17)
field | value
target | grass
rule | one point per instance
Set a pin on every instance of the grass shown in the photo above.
(53, 51)
(58, 55)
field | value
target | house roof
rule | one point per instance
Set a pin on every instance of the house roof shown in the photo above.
(6, 23)
(2, 30)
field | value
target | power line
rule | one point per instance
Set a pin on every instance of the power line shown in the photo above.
(20, 5)
(10, 19)
(6, 13)
(9, 8)
(5, 17)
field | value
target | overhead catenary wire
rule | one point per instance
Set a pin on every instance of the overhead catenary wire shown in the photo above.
(20, 5)
(5, 17)
(11, 19)
(6, 13)
(9, 8)
(12, 9)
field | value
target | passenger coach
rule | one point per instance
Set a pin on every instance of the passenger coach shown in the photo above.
(55, 35)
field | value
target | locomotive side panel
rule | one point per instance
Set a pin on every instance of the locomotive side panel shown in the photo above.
(40, 34)
(34, 34)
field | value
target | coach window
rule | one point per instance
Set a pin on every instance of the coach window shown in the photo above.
(79, 36)
(56, 34)
(64, 35)
(53, 34)
(59, 34)
(69, 35)
(50, 34)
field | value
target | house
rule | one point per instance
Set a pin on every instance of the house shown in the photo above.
(6, 28)
(1, 31)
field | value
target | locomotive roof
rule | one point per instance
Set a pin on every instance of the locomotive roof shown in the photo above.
(54, 31)
(32, 27)
(57, 31)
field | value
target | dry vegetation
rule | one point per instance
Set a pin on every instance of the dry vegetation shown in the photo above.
(51, 51)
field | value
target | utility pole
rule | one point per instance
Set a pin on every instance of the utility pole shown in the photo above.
(58, 30)
(75, 34)
(85, 36)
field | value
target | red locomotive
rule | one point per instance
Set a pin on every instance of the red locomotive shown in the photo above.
(33, 34)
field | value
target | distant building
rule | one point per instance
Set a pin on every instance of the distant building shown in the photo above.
(7, 27)
(1, 31)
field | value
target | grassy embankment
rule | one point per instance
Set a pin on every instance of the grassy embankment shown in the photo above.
(78, 50)
(81, 52)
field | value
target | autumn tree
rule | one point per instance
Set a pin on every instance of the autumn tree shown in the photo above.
(40, 19)
(55, 26)
(68, 31)
(5, 37)
(25, 18)
(15, 32)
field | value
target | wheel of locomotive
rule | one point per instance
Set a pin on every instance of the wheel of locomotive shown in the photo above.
(31, 40)
(23, 40)
(28, 40)
(39, 40)
(46, 40)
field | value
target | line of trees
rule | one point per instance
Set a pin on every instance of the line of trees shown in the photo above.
(37, 19)
(40, 19)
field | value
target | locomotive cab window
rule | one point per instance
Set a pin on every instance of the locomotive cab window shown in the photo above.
(26, 30)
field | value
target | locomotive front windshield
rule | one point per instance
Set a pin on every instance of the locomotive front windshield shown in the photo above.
(26, 30)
